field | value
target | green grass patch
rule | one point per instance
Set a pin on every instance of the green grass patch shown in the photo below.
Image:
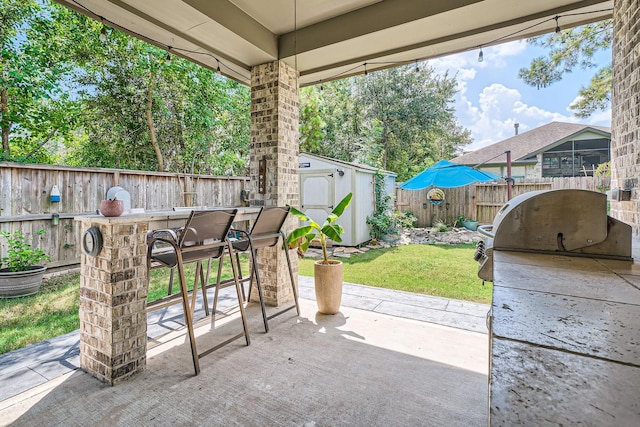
(441, 270)
(51, 312)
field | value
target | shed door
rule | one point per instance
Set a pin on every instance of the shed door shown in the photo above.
(317, 199)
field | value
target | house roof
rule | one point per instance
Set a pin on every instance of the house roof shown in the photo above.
(349, 164)
(528, 143)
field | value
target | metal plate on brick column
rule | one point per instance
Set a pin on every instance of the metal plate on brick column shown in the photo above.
(92, 241)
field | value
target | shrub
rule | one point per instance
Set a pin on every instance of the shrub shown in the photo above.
(21, 255)
(387, 221)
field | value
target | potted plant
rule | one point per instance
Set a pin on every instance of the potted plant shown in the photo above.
(469, 224)
(111, 207)
(327, 272)
(21, 276)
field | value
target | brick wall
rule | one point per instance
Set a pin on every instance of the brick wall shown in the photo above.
(274, 138)
(625, 132)
(113, 298)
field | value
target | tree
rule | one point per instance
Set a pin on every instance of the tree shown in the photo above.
(312, 123)
(35, 41)
(411, 110)
(150, 113)
(398, 119)
(66, 96)
(569, 49)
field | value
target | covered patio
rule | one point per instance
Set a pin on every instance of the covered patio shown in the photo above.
(391, 362)
(356, 368)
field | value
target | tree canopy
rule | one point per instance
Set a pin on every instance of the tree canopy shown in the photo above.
(72, 96)
(568, 49)
(39, 46)
(400, 119)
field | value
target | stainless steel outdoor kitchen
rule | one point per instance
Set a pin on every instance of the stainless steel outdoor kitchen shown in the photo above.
(564, 324)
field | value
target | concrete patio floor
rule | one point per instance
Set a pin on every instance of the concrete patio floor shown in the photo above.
(362, 366)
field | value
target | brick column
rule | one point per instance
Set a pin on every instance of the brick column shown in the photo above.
(113, 302)
(274, 139)
(625, 111)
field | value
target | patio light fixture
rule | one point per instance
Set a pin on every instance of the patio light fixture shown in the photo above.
(480, 55)
(557, 25)
(168, 59)
(103, 34)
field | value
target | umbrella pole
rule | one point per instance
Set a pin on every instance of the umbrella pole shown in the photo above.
(509, 179)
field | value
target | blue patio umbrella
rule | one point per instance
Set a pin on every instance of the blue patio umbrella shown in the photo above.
(446, 174)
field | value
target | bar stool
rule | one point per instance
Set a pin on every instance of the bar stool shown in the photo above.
(204, 237)
(265, 233)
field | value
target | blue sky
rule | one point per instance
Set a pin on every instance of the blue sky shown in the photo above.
(491, 97)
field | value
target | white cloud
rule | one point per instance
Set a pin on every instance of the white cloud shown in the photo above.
(494, 57)
(466, 74)
(574, 102)
(455, 62)
(601, 118)
(598, 118)
(509, 49)
(498, 109)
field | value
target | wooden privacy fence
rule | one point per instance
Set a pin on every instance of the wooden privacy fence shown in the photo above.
(483, 201)
(25, 199)
(458, 201)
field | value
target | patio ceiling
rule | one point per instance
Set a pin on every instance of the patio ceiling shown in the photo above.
(329, 39)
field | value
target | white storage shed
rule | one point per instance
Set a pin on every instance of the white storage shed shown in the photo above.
(325, 181)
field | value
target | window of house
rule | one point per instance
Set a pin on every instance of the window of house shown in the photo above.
(549, 162)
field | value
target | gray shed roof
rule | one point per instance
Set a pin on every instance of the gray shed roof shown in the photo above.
(350, 164)
(528, 143)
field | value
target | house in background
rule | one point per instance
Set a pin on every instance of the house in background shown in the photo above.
(553, 150)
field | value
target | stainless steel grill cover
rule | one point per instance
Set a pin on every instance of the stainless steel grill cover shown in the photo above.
(568, 222)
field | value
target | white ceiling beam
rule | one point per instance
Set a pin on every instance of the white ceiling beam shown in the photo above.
(360, 22)
(237, 21)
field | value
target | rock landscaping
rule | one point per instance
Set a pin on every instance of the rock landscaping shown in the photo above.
(410, 236)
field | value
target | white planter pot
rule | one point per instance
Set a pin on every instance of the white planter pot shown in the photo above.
(21, 283)
(328, 284)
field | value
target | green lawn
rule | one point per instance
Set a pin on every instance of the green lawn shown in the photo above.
(442, 270)
(51, 312)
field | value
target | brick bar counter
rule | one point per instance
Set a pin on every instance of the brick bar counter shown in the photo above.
(113, 291)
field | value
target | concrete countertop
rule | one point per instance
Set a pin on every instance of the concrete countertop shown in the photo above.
(565, 341)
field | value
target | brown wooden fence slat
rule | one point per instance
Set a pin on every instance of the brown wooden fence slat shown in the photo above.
(458, 201)
(25, 190)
